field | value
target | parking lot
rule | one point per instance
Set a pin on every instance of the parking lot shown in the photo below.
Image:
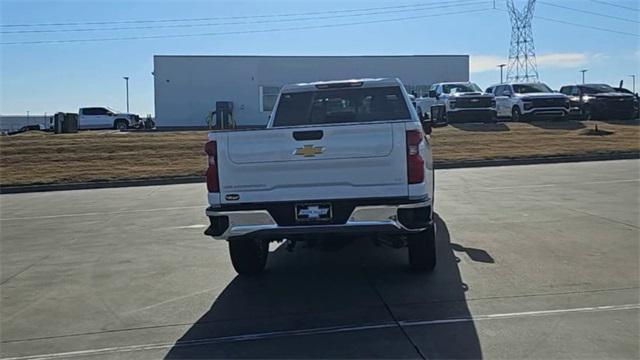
(535, 261)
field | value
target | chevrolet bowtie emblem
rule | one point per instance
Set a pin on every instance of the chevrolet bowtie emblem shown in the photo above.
(309, 150)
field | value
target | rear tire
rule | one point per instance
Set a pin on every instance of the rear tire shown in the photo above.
(248, 256)
(422, 250)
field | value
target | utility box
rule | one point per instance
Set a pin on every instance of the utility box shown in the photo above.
(65, 123)
(58, 119)
(70, 124)
(224, 115)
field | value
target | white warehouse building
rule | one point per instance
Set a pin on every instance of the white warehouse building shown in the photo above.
(186, 88)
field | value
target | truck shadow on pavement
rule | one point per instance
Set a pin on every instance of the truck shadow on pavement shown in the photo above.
(325, 303)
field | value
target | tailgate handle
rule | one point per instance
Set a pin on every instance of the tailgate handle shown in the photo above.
(308, 135)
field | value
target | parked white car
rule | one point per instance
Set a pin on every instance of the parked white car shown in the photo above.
(337, 158)
(457, 102)
(527, 101)
(105, 118)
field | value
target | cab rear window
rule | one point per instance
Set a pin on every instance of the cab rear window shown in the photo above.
(341, 106)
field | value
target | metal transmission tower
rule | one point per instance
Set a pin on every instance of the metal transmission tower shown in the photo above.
(522, 56)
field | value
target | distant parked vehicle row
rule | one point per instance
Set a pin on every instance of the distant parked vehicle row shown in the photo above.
(466, 102)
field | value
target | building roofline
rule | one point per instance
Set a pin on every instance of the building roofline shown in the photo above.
(314, 56)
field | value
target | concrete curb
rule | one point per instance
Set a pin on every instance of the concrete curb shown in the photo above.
(18, 189)
(536, 160)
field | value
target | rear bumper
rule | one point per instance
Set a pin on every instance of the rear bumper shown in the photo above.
(413, 216)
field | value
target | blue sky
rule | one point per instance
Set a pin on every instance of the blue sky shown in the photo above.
(63, 76)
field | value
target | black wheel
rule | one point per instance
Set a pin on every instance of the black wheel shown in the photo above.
(516, 115)
(248, 256)
(121, 125)
(422, 250)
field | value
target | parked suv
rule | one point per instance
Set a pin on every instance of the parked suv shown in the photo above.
(527, 101)
(457, 102)
(105, 118)
(590, 101)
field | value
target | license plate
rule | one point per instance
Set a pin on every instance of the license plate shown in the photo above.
(313, 212)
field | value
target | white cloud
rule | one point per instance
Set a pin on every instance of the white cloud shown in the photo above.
(482, 63)
(562, 60)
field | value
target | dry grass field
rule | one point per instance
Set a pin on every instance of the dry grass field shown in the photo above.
(37, 157)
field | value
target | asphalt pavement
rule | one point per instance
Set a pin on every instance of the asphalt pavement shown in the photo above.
(536, 261)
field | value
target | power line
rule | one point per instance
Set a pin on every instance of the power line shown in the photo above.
(418, 8)
(590, 12)
(224, 17)
(307, 27)
(615, 5)
(582, 25)
(589, 26)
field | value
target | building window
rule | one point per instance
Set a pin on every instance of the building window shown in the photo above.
(268, 96)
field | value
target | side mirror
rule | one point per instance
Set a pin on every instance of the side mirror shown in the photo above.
(426, 127)
(432, 93)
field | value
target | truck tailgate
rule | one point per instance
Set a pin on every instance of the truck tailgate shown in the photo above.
(313, 163)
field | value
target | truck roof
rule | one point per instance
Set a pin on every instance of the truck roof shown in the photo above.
(360, 83)
(455, 82)
(520, 83)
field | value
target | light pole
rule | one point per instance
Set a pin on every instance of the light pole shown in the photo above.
(501, 66)
(583, 71)
(126, 79)
(634, 83)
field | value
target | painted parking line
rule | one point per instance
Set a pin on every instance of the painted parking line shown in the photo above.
(104, 213)
(320, 331)
(521, 314)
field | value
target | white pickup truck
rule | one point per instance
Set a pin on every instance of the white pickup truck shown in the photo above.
(453, 102)
(338, 158)
(105, 118)
(529, 101)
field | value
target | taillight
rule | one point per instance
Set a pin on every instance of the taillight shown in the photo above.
(213, 184)
(415, 162)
